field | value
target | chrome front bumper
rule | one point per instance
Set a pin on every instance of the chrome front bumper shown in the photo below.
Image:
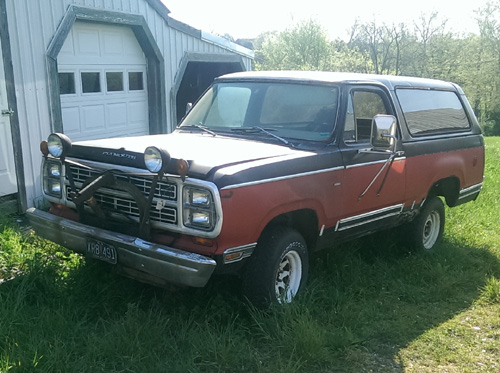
(157, 261)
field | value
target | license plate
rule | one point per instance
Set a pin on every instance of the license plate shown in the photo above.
(101, 250)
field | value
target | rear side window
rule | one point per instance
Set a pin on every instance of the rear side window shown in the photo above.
(430, 112)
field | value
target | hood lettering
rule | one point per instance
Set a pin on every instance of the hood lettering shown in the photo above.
(119, 155)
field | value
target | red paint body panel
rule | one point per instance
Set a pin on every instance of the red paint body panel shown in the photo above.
(331, 195)
(335, 195)
(357, 179)
(248, 209)
(423, 171)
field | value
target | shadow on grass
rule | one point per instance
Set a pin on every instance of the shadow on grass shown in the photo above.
(365, 301)
(388, 295)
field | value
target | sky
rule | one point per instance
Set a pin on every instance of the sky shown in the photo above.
(248, 19)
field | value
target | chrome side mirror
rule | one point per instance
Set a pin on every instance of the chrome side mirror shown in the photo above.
(189, 106)
(383, 133)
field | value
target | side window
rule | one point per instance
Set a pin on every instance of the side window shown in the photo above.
(432, 112)
(363, 105)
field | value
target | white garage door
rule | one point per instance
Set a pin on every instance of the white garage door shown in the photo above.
(102, 80)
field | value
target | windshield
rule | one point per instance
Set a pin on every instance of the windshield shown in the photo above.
(290, 110)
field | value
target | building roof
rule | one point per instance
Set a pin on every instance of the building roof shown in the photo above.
(164, 12)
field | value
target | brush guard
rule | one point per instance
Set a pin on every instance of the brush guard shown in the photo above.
(101, 216)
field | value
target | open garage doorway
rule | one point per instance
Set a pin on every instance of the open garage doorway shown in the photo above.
(197, 76)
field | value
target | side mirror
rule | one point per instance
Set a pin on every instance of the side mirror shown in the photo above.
(383, 134)
(189, 106)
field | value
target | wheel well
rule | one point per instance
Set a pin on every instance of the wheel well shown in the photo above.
(304, 221)
(448, 188)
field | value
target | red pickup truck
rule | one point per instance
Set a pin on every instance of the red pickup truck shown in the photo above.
(266, 168)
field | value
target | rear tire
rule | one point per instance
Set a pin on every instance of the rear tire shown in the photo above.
(427, 228)
(278, 268)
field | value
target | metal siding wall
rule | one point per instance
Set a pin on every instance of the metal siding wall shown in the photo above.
(28, 38)
(31, 29)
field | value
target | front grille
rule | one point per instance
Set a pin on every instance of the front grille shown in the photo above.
(164, 190)
(164, 205)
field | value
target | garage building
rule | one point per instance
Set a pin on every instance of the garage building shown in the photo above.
(95, 69)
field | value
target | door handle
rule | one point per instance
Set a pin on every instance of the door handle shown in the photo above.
(8, 112)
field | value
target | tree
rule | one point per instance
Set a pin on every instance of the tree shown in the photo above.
(427, 29)
(489, 26)
(376, 43)
(303, 47)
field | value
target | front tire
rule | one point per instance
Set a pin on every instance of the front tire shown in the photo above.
(278, 269)
(427, 228)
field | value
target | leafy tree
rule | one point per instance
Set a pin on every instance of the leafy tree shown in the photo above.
(303, 47)
(489, 26)
(349, 58)
(376, 43)
(427, 30)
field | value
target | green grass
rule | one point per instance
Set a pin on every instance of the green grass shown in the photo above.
(371, 306)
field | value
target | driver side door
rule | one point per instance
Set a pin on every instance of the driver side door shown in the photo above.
(374, 185)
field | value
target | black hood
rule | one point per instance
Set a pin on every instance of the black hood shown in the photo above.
(221, 159)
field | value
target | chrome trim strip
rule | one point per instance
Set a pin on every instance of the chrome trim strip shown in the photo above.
(280, 178)
(246, 251)
(374, 162)
(368, 217)
(467, 192)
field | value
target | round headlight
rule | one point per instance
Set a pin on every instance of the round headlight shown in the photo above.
(155, 159)
(58, 145)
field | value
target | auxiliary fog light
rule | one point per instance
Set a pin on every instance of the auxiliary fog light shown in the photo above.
(156, 159)
(58, 145)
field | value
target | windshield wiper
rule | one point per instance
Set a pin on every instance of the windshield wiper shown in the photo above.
(198, 126)
(263, 130)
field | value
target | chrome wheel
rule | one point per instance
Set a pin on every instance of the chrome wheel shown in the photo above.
(427, 228)
(278, 269)
(432, 230)
(288, 277)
